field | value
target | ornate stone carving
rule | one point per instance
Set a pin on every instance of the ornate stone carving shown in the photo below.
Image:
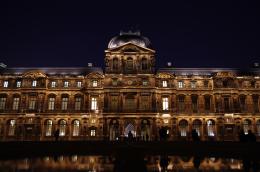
(34, 74)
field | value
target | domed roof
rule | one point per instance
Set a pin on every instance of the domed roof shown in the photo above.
(133, 37)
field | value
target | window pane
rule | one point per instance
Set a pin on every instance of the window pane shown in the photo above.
(16, 101)
(94, 103)
(2, 103)
(165, 102)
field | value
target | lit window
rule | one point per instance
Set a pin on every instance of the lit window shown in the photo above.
(210, 127)
(66, 83)
(51, 103)
(75, 128)
(48, 130)
(164, 84)
(5, 84)
(183, 127)
(11, 129)
(165, 103)
(114, 82)
(180, 84)
(34, 83)
(16, 101)
(62, 128)
(2, 103)
(53, 84)
(145, 82)
(18, 84)
(94, 83)
(193, 84)
(79, 84)
(92, 132)
(78, 103)
(64, 103)
(94, 103)
(32, 103)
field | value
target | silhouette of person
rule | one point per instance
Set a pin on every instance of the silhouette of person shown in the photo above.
(146, 137)
(130, 136)
(194, 135)
(242, 136)
(57, 134)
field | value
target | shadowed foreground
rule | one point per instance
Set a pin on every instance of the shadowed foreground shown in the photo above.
(31, 149)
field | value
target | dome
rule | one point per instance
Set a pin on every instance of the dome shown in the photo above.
(133, 37)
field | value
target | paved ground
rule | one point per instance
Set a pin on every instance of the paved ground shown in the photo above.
(222, 149)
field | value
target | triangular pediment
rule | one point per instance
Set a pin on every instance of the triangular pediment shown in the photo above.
(130, 47)
(95, 75)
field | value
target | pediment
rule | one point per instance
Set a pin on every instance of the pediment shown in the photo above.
(95, 75)
(34, 74)
(130, 47)
(164, 75)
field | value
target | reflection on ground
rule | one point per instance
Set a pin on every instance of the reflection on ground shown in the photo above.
(120, 163)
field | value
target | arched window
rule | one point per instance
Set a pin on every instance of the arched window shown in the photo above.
(183, 127)
(11, 127)
(75, 131)
(62, 127)
(48, 127)
(115, 63)
(144, 64)
(196, 125)
(129, 63)
(211, 128)
(246, 125)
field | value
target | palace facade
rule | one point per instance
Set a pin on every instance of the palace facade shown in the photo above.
(87, 103)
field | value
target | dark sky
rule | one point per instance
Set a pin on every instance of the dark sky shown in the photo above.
(73, 34)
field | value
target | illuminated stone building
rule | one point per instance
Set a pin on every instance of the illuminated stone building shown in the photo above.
(129, 95)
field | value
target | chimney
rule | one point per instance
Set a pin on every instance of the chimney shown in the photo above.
(90, 64)
(169, 64)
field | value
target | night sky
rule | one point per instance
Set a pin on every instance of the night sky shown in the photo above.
(42, 34)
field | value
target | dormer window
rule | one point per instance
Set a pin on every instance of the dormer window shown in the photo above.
(145, 82)
(18, 84)
(114, 82)
(193, 84)
(53, 84)
(5, 84)
(180, 84)
(34, 83)
(66, 84)
(79, 84)
(94, 83)
(164, 83)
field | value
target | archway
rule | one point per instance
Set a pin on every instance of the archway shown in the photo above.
(130, 128)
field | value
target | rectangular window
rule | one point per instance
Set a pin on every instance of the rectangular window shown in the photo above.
(18, 84)
(164, 83)
(34, 83)
(94, 103)
(181, 105)
(194, 100)
(193, 84)
(206, 84)
(130, 104)
(165, 103)
(64, 103)
(2, 103)
(16, 101)
(255, 102)
(66, 84)
(114, 82)
(32, 103)
(114, 102)
(78, 103)
(51, 103)
(5, 84)
(92, 132)
(53, 84)
(144, 104)
(226, 104)
(207, 103)
(242, 100)
(94, 83)
(180, 84)
(79, 84)
(145, 82)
